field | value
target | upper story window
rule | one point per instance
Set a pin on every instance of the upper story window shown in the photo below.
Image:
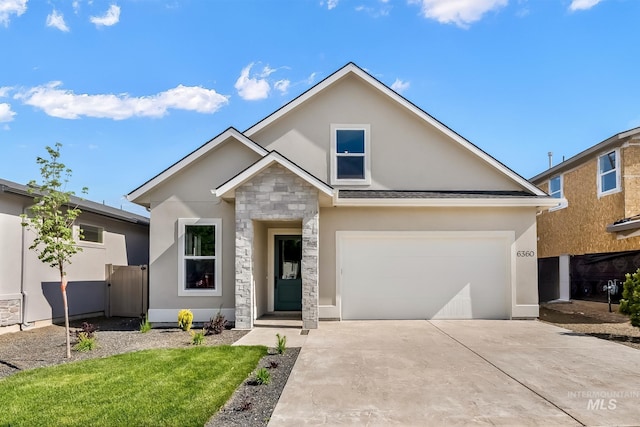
(350, 162)
(608, 173)
(91, 233)
(199, 248)
(555, 187)
(556, 190)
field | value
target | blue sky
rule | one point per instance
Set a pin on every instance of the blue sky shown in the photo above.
(132, 86)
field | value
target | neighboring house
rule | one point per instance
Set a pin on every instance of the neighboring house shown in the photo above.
(349, 202)
(30, 290)
(593, 236)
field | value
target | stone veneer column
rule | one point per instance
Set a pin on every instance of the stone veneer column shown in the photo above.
(276, 194)
(10, 312)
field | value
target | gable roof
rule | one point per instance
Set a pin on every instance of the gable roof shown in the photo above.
(227, 189)
(229, 133)
(84, 205)
(353, 69)
(574, 161)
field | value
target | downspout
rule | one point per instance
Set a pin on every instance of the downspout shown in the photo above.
(25, 297)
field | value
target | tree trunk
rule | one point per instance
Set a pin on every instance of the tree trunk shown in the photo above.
(63, 288)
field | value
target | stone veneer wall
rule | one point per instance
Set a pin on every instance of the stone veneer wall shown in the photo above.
(276, 194)
(10, 312)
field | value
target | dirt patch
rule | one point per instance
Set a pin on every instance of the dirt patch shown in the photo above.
(592, 318)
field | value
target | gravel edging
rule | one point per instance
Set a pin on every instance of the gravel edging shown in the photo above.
(251, 405)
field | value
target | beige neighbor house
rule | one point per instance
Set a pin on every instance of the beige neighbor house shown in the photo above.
(30, 290)
(349, 202)
(593, 236)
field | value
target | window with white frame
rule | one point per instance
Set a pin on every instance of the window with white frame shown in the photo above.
(199, 256)
(556, 190)
(350, 161)
(608, 173)
(91, 233)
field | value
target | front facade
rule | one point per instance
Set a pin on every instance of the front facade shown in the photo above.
(599, 212)
(30, 290)
(347, 203)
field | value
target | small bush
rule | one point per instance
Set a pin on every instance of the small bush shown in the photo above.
(185, 319)
(216, 324)
(85, 342)
(273, 364)
(281, 345)
(87, 330)
(197, 338)
(145, 326)
(630, 301)
(263, 376)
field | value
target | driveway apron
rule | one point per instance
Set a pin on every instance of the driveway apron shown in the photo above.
(475, 372)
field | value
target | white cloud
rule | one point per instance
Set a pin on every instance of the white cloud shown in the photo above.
(459, 12)
(111, 17)
(400, 86)
(57, 102)
(4, 91)
(282, 86)
(76, 6)
(6, 115)
(311, 78)
(582, 4)
(331, 4)
(11, 7)
(56, 20)
(253, 88)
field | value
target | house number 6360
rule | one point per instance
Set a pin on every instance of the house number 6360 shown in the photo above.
(526, 254)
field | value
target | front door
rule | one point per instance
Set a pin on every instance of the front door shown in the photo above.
(288, 278)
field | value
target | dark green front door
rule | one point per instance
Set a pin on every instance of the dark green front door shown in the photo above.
(288, 280)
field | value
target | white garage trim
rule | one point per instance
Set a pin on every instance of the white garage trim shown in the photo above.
(502, 242)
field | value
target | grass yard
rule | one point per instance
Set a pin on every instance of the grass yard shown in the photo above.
(168, 387)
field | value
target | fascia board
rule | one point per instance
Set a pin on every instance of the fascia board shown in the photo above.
(195, 155)
(436, 202)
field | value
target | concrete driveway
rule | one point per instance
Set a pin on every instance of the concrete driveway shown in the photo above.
(423, 373)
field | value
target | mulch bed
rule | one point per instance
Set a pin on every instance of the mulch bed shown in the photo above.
(251, 405)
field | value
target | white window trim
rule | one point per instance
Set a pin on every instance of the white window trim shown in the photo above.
(88, 243)
(182, 290)
(563, 204)
(618, 186)
(367, 154)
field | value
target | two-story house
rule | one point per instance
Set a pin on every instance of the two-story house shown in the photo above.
(593, 235)
(349, 202)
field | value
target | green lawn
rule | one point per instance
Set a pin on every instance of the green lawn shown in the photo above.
(169, 387)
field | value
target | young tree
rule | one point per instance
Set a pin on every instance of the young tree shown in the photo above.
(51, 218)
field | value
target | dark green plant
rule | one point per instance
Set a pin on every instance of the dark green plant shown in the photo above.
(263, 376)
(51, 218)
(281, 345)
(216, 324)
(630, 301)
(197, 338)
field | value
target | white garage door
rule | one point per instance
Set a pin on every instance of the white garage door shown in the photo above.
(424, 275)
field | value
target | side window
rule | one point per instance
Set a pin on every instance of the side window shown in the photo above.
(556, 189)
(91, 233)
(199, 248)
(350, 154)
(608, 173)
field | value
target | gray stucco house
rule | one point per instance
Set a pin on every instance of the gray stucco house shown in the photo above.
(349, 202)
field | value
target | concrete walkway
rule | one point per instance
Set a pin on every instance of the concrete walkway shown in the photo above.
(508, 373)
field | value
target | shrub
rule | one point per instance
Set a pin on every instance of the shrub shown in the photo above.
(216, 324)
(281, 346)
(263, 376)
(197, 338)
(145, 326)
(87, 330)
(630, 301)
(85, 342)
(185, 319)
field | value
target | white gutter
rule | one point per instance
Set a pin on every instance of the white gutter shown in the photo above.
(452, 202)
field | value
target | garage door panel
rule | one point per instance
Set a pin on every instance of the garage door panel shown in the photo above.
(390, 276)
